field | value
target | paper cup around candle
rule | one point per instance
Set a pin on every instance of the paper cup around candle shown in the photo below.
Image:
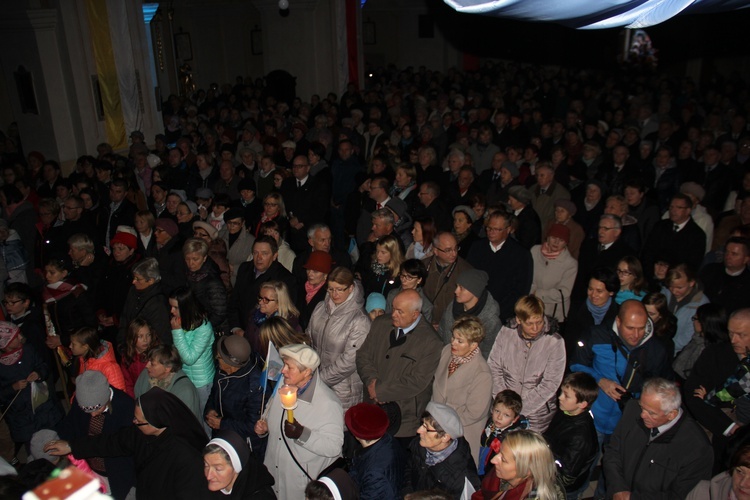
(288, 397)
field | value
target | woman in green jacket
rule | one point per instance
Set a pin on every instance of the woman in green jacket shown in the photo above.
(193, 337)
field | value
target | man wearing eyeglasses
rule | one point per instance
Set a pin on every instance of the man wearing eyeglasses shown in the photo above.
(443, 270)
(262, 267)
(678, 239)
(507, 263)
(604, 251)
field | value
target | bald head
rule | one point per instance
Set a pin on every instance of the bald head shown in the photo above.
(406, 308)
(631, 322)
(446, 248)
(739, 331)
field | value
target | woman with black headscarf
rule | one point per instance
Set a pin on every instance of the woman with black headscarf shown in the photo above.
(165, 441)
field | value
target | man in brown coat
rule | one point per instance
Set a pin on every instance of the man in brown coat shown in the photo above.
(443, 269)
(398, 360)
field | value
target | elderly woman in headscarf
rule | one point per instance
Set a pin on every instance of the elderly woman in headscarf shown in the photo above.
(165, 442)
(21, 366)
(232, 472)
(299, 451)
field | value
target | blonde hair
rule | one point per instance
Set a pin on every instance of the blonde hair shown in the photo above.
(390, 243)
(470, 328)
(533, 458)
(529, 306)
(286, 306)
(279, 332)
(279, 199)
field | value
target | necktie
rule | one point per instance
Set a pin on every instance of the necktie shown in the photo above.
(495, 176)
(654, 432)
(601, 248)
(544, 191)
(675, 228)
(299, 183)
(378, 206)
(400, 333)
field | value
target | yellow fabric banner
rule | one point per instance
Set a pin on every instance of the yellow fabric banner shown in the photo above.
(109, 88)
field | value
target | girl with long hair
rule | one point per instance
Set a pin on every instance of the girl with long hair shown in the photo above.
(193, 336)
(139, 339)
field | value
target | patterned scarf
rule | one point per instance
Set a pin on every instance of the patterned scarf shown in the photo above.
(456, 361)
(379, 269)
(8, 333)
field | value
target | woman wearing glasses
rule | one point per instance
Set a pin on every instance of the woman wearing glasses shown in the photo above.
(273, 300)
(412, 276)
(632, 282)
(338, 327)
(273, 209)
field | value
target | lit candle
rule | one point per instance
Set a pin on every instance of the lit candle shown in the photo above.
(288, 396)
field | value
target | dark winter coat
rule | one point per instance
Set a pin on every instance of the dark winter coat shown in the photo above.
(22, 421)
(151, 305)
(120, 469)
(211, 293)
(166, 465)
(573, 441)
(238, 398)
(447, 475)
(378, 470)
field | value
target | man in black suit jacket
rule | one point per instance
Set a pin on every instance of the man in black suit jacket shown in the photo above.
(250, 276)
(677, 240)
(529, 229)
(506, 261)
(120, 212)
(306, 202)
(605, 251)
(616, 172)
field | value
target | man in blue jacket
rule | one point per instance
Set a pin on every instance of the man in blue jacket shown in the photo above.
(620, 359)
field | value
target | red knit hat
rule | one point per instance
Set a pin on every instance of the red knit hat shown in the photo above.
(366, 421)
(319, 261)
(126, 239)
(559, 231)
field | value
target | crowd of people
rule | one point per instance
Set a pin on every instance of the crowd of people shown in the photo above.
(481, 284)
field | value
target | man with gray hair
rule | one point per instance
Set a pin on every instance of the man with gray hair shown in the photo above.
(397, 363)
(318, 238)
(657, 450)
(604, 251)
(383, 223)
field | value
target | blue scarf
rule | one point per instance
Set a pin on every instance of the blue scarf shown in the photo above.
(598, 312)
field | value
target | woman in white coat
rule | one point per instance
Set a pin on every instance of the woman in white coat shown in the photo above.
(555, 272)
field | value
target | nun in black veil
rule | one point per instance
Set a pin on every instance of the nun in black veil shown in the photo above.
(166, 443)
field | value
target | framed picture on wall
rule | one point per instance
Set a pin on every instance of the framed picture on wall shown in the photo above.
(368, 33)
(183, 46)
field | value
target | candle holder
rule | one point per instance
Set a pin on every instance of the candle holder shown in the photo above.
(288, 397)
